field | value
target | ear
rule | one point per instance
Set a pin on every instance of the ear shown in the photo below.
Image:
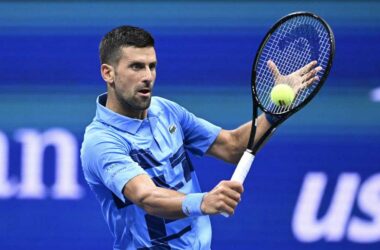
(108, 73)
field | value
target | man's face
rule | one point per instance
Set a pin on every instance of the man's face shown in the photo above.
(134, 78)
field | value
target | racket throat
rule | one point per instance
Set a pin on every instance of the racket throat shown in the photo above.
(251, 139)
(263, 140)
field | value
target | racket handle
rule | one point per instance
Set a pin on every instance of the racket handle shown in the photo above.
(242, 169)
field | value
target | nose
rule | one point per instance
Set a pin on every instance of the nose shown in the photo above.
(148, 77)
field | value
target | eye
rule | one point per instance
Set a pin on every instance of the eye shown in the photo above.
(137, 66)
(152, 66)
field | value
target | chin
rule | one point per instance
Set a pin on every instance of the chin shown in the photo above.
(143, 105)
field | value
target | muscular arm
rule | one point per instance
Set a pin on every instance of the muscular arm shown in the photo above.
(157, 201)
(167, 203)
(230, 144)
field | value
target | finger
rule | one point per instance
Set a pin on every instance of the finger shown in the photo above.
(233, 195)
(228, 192)
(232, 203)
(226, 209)
(228, 206)
(311, 74)
(306, 69)
(310, 81)
(236, 186)
(273, 68)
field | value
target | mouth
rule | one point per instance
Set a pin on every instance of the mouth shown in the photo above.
(144, 92)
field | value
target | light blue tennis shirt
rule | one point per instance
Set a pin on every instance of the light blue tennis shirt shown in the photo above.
(117, 148)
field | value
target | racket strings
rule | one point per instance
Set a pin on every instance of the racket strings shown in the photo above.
(293, 45)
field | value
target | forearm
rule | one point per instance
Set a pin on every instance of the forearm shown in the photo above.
(170, 204)
(157, 201)
(162, 202)
(230, 144)
(242, 133)
(239, 139)
(262, 127)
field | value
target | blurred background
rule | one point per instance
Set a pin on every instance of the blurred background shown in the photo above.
(316, 183)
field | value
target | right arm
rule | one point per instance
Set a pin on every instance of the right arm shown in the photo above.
(108, 159)
(167, 203)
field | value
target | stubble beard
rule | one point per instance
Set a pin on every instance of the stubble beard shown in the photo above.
(134, 102)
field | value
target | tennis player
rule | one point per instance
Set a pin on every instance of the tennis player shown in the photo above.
(135, 154)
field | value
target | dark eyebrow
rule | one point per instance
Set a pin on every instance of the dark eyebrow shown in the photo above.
(136, 62)
(140, 62)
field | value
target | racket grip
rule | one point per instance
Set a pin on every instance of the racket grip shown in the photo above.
(243, 167)
(242, 170)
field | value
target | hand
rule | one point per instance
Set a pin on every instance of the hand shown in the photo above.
(223, 198)
(299, 79)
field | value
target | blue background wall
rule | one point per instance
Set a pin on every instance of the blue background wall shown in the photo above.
(50, 78)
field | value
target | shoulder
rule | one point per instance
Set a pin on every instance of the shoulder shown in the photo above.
(100, 144)
(99, 135)
(95, 131)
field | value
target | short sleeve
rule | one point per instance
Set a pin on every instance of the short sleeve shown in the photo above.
(109, 160)
(199, 134)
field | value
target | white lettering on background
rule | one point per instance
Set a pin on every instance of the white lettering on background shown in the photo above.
(338, 222)
(33, 145)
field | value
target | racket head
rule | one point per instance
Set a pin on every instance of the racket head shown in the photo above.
(292, 42)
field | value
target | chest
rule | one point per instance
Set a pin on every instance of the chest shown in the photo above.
(158, 148)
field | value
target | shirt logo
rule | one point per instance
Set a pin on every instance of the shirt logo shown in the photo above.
(172, 129)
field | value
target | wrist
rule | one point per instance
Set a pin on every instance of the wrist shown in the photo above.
(191, 205)
(272, 119)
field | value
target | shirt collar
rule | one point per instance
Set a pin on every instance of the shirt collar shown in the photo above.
(121, 122)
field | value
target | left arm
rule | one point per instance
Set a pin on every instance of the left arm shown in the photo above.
(230, 144)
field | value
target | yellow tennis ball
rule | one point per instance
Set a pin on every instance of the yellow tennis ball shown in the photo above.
(282, 95)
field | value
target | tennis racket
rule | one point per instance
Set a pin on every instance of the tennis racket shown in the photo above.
(298, 51)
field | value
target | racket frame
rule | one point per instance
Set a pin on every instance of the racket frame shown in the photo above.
(262, 45)
(281, 117)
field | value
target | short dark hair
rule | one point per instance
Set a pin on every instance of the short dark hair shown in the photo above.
(123, 36)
